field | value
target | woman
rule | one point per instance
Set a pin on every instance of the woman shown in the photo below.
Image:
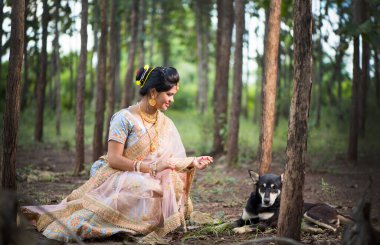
(142, 185)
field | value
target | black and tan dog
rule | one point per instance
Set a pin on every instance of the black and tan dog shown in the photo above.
(263, 207)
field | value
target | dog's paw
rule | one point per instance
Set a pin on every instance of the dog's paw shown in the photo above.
(243, 229)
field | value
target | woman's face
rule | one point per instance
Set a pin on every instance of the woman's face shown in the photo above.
(165, 99)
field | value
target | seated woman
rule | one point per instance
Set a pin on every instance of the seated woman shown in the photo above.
(142, 185)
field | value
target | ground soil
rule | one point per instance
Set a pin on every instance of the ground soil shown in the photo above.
(44, 177)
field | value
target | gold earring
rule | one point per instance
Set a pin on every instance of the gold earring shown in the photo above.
(152, 102)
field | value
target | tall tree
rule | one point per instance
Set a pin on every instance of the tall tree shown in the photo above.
(223, 51)
(233, 131)
(289, 222)
(57, 71)
(365, 71)
(97, 143)
(318, 70)
(354, 112)
(41, 82)
(95, 27)
(141, 32)
(1, 34)
(12, 95)
(25, 84)
(112, 68)
(202, 16)
(377, 76)
(269, 87)
(129, 85)
(80, 108)
(163, 34)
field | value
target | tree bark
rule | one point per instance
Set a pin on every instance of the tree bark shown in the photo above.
(319, 62)
(223, 51)
(101, 85)
(57, 73)
(129, 79)
(164, 32)
(377, 76)
(365, 73)
(354, 115)
(12, 95)
(41, 82)
(269, 87)
(112, 68)
(233, 132)
(1, 35)
(95, 24)
(289, 222)
(202, 9)
(80, 107)
(25, 84)
(153, 31)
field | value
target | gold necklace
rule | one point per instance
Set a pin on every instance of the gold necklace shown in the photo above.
(150, 118)
(151, 142)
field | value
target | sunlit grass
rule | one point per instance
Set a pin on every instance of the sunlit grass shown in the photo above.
(324, 142)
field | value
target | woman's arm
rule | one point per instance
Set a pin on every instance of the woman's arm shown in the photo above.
(116, 160)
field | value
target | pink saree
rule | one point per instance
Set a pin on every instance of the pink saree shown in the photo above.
(114, 201)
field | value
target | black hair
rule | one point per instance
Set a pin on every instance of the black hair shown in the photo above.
(160, 78)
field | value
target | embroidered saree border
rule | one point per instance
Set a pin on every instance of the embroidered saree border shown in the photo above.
(113, 216)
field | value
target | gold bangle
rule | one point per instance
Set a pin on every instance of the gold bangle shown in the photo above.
(138, 165)
(154, 169)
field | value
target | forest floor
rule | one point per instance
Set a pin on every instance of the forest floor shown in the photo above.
(44, 177)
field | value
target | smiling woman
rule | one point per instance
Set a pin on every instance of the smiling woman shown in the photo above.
(141, 186)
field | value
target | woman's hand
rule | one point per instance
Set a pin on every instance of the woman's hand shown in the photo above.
(202, 162)
(165, 165)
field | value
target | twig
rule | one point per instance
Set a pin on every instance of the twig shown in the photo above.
(271, 239)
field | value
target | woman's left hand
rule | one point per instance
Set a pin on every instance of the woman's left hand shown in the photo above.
(202, 162)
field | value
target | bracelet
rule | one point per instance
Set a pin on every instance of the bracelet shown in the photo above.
(138, 165)
(153, 168)
(134, 166)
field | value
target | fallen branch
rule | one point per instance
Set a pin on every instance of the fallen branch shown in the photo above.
(271, 239)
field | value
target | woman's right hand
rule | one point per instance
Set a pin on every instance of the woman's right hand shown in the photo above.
(165, 165)
(202, 162)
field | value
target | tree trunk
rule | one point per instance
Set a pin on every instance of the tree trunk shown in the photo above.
(101, 85)
(1, 35)
(80, 106)
(319, 62)
(129, 79)
(377, 76)
(141, 32)
(233, 132)
(41, 82)
(153, 31)
(269, 87)
(365, 73)
(164, 32)
(95, 24)
(57, 73)
(289, 221)
(223, 51)
(202, 9)
(354, 116)
(25, 84)
(112, 67)
(12, 95)
(246, 82)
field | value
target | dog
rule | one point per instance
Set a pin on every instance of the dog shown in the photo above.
(263, 207)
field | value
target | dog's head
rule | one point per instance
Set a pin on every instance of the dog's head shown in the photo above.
(268, 186)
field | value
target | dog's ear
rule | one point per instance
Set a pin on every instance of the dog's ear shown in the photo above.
(254, 176)
(282, 178)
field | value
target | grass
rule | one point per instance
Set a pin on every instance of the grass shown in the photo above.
(196, 131)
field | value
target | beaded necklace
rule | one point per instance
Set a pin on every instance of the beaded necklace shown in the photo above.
(152, 120)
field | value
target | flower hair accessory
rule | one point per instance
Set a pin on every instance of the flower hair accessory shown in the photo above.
(144, 76)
